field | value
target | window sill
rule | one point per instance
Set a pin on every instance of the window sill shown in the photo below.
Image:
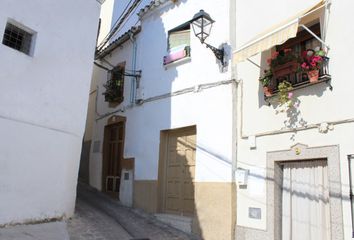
(178, 62)
(326, 78)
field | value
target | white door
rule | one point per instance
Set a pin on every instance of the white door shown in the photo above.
(305, 201)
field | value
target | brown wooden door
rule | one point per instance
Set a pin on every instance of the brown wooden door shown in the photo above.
(113, 155)
(180, 172)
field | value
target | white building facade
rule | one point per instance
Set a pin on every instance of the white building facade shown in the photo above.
(297, 157)
(172, 131)
(46, 64)
(185, 128)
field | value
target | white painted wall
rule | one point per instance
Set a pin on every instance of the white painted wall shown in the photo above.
(318, 103)
(106, 16)
(43, 107)
(210, 109)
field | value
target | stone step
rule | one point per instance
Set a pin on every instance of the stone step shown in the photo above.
(180, 222)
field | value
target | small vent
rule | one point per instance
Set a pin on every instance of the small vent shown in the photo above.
(126, 176)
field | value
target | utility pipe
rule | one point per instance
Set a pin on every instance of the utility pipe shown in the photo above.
(133, 84)
(350, 157)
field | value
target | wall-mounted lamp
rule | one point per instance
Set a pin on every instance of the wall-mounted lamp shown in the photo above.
(202, 24)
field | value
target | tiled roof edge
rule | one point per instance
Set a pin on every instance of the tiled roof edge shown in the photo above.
(152, 5)
(118, 42)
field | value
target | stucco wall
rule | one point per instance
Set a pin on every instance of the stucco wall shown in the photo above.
(210, 109)
(145, 122)
(43, 107)
(317, 105)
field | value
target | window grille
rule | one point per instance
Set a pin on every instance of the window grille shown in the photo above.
(17, 38)
(115, 85)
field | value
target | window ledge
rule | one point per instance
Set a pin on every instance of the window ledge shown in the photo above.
(326, 78)
(178, 62)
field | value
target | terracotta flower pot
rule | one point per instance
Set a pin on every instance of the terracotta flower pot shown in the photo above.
(313, 75)
(267, 91)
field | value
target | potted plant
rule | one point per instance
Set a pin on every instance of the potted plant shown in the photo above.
(265, 81)
(312, 63)
(283, 62)
(113, 91)
(285, 93)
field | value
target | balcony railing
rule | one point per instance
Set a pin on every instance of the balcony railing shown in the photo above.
(293, 73)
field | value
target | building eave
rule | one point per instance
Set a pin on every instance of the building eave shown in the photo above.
(153, 5)
(118, 42)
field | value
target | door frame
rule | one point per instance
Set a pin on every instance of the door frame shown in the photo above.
(114, 120)
(300, 152)
(161, 184)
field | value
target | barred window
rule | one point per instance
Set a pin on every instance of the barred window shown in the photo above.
(17, 38)
(115, 85)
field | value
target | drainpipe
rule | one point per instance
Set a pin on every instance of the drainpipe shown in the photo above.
(350, 157)
(133, 83)
(234, 99)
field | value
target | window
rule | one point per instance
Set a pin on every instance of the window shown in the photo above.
(115, 85)
(17, 38)
(178, 43)
(287, 58)
(179, 38)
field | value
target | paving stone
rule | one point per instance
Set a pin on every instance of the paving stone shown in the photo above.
(101, 214)
(44, 231)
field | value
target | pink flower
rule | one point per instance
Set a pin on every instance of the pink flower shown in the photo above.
(304, 65)
(275, 55)
(290, 95)
(317, 58)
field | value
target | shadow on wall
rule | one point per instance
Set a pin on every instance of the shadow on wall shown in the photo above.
(293, 117)
(178, 194)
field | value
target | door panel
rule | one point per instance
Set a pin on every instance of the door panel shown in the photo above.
(112, 158)
(305, 201)
(180, 172)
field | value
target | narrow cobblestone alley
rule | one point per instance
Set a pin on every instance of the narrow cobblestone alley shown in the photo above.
(98, 217)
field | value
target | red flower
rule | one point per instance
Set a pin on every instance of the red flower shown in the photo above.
(275, 55)
(305, 66)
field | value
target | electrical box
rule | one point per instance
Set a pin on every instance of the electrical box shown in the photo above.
(242, 176)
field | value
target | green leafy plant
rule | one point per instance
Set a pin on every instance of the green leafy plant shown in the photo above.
(266, 78)
(285, 94)
(312, 59)
(114, 85)
(281, 57)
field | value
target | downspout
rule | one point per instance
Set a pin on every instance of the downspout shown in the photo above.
(234, 104)
(350, 157)
(133, 82)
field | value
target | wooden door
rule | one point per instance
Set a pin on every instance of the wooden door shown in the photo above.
(180, 172)
(113, 155)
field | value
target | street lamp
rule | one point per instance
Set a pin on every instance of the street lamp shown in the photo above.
(202, 24)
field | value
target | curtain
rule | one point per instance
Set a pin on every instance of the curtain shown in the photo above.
(179, 38)
(305, 201)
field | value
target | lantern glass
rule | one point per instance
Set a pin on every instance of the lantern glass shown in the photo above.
(202, 24)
